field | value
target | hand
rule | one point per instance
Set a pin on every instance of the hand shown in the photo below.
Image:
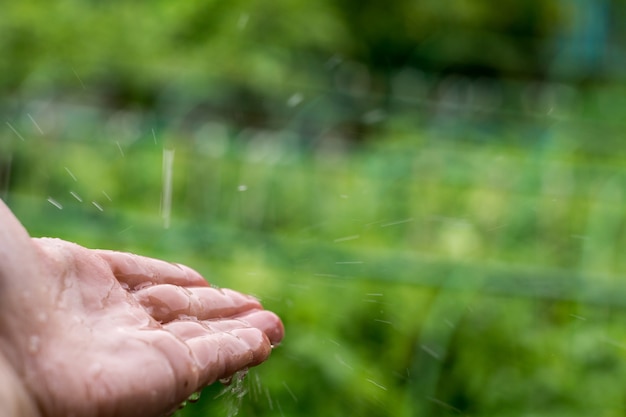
(92, 332)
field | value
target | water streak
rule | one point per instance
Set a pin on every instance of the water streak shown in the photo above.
(71, 174)
(346, 238)
(397, 222)
(295, 399)
(166, 203)
(79, 79)
(15, 131)
(76, 196)
(377, 384)
(55, 203)
(35, 123)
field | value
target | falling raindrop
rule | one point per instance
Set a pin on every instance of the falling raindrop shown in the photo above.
(243, 21)
(343, 239)
(166, 204)
(295, 399)
(234, 392)
(373, 117)
(120, 148)
(35, 123)
(76, 196)
(71, 174)
(396, 222)
(377, 384)
(15, 131)
(295, 99)
(106, 195)
(79, 79)
(55, 203)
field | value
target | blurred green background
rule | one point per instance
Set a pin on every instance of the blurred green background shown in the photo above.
(430, 194)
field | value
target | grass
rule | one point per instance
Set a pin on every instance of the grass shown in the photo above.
(416, 275)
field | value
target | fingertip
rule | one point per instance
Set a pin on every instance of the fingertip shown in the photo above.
(221, 355)
(258, 341)
(276, 333)
(266, 321)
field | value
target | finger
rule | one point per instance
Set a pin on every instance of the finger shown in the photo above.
(222, 354)
(139, 271)
(263, 320)
(266, 321)
(168, 302)
(175, 374)
(187, 329)
(18, 257)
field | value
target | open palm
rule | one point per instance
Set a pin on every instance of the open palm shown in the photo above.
(99, 333)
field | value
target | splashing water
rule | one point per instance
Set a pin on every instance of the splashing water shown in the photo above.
(234, 392)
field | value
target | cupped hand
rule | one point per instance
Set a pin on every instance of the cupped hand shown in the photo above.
(103, 333)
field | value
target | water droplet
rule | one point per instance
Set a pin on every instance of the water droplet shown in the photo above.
(95, 369)
(42, 317)
(243, 21)
(295, 99)
(374, 116)
(234, 392)
(33, 344)
(194, 397)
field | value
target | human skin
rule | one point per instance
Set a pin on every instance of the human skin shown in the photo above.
(101, 333)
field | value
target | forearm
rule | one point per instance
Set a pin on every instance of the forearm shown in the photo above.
(14, 399)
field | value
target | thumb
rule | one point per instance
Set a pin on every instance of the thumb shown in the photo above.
(18, 258)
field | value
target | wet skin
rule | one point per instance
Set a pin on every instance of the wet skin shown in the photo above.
(101, 333)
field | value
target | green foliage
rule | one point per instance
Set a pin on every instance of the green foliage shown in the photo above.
(414, 276)
(429, 194)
